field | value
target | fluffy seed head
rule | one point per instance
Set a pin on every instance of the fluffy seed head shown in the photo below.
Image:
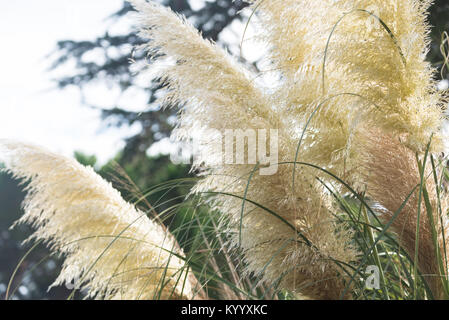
(360, 60)
(111, 249)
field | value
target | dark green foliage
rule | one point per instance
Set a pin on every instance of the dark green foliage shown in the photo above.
(439, 19)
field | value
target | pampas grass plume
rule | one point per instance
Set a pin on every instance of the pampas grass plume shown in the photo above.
(112, 248)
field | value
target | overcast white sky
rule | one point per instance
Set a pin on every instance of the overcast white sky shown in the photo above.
(30, 109)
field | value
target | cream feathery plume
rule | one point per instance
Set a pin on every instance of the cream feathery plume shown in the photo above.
(202, 75)
(285, 27)
(111, 249)
(392, 173)
(360, 60)
(217, 93)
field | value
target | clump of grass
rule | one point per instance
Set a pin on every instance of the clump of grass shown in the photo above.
(358, 181)
(199, 231)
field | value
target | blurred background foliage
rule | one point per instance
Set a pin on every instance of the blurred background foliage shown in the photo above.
(132, 171)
